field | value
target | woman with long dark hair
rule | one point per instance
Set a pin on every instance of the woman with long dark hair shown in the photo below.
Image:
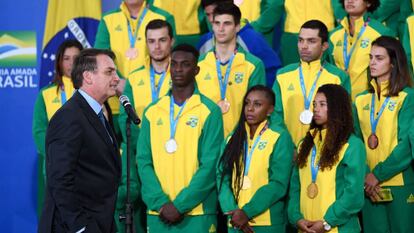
(326, 191)
(255, 167)
(50, 99)
(384, 115)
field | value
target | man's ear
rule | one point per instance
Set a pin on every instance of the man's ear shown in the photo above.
(87, 77)
(325, 46)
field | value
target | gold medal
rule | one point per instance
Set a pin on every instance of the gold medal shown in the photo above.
(247, 183)
(373, 141)
(224, 106)
(312, 190)
(131, 53)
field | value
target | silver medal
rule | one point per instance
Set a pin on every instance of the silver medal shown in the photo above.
(306, 117)
(171, 146)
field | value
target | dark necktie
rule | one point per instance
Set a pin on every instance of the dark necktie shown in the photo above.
(105, 124)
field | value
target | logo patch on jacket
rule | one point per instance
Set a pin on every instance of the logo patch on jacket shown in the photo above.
(56, 100)
(238, 78)
(410, 199)
(291, 87)
(339, 43)
(207, 77)
(366, 107)
(262, 145)
(159, 122)
(192, 121)
(118, 28)
(141, 83)
(212, 229)
(364, 43)
(391, 105)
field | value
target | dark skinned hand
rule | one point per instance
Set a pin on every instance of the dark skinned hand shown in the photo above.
(169, 214)
(305, 226)
(317, 227)
(239, 220)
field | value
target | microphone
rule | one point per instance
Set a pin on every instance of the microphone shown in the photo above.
(123, 99)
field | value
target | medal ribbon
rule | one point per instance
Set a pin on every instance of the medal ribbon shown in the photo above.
(374, 121)
(155, 92)
(63, 96)
(248, 154)
(132, 38)
(223, 81)
(312, 90)
(314, 167)
(173, 122)
(347, 56)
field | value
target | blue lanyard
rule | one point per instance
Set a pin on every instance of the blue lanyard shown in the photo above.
(132, 38)
(223, 81)
(312, 90)
(347, 56)
(248, 154)
(155, 92)
(173, 122)
(63, 96)
(374, 121)
(314, 167)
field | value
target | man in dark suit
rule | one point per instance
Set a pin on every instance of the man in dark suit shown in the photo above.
(82, 157)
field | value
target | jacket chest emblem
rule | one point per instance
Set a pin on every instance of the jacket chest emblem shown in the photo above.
(207, 77)
(391, 105)
(238, 77)
(364, 43)
(192, 121)
(262, 145)
(56, 100)
(118, 28)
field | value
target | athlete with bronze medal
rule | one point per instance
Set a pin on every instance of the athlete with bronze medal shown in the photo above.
(224, 104)
(132, 53)
(389, 177)
(373, 139)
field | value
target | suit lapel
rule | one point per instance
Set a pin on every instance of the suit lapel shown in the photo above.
(98, 126)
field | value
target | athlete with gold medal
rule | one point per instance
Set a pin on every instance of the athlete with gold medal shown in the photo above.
(326, 188)
(254, 170)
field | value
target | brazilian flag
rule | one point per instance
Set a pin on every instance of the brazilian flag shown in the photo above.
(66, 19)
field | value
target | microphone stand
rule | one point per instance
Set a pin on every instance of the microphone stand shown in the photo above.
(128, 216)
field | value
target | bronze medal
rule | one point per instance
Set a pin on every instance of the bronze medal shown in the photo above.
(373, 141)
(224, 106)
(247, 183)
(312, 190)
(131, 53)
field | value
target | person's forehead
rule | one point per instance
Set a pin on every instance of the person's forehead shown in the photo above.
(157, 32)
(182, 55)
(104, 61)
(309, 33)
(224, 17)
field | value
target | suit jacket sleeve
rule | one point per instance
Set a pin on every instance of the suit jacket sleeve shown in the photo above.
(63, 146)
